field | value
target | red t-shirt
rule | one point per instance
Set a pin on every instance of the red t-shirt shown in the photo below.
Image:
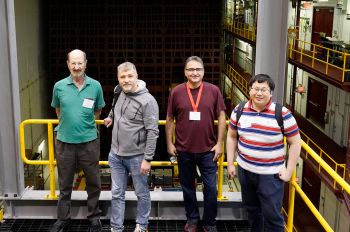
(195, 136)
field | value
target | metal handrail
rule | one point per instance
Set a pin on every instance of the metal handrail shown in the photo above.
(312, 53)
(243, 29)
(237, 79)
(322, 153)
(51, 161)
(293, 183)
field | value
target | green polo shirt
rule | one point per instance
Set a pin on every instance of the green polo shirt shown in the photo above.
(77, 109)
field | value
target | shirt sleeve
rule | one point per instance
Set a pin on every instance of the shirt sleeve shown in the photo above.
(289, 123)
(151, 120)
(233, 120)
(220, 106)
(55, 103)
(100, 103)
(170, 111)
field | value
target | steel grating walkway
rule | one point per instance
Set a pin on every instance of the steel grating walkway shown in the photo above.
(37, 225)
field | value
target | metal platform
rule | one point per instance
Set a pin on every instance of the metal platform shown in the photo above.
(38, 225)
(166, 205)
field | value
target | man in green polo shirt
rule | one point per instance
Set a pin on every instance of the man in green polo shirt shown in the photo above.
(78, 100)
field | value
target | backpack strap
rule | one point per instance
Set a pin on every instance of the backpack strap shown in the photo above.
(117, 92)
(239, 113)
(278, 116)
(240, 110)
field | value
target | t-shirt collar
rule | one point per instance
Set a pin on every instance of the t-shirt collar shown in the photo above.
(250, 105)
(87, 80)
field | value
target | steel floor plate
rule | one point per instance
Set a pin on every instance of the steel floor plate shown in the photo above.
(38, 225)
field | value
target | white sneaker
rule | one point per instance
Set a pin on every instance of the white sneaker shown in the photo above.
(138, 228)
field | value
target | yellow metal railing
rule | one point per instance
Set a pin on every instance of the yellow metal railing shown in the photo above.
(1, 211)
(238, 80)
(221, 164)
(245, 30)
(300, 50)
(293, 186)
(51, 161)
(338, 168)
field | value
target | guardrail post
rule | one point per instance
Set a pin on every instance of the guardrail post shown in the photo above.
(220, 176)
(52, 194)
(291, 203)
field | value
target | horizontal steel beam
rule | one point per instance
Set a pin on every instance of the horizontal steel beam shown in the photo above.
(166, 205)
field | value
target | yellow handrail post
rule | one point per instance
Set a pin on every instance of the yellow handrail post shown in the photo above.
(291, 203)
(52, 194)
(327, 61)
(221, 175)
(312, 208)
(344, 68)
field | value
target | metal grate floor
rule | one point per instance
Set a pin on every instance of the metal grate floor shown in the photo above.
(37, 225)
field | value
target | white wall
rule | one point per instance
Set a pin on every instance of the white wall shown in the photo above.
(341, 26)
(34, 93)
(32, 74)
(333, 210)
(243, 55)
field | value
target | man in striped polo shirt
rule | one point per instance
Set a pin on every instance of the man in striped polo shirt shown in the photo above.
(255, 141)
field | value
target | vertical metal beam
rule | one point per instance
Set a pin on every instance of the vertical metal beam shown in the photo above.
(11, 167)
(271, 43)
(347, 159)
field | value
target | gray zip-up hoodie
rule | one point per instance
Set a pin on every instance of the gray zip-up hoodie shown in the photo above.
(135, 124)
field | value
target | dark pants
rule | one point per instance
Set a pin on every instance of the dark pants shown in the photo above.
(262, 196)
(187, 171)
(69, 157)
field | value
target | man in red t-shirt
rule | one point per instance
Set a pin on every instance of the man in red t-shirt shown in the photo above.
(195, 105)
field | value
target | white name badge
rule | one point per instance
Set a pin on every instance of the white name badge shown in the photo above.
(88, 103)
(195, 116)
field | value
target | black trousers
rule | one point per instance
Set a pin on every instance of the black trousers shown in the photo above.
(86, 156)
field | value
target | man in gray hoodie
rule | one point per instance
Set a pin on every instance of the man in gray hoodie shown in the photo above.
(134, 137)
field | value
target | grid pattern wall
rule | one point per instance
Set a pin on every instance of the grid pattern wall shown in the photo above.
(156, 35)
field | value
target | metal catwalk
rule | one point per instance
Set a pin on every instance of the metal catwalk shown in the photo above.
(37, 225)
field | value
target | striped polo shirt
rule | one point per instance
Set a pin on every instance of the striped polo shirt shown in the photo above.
(260, 147)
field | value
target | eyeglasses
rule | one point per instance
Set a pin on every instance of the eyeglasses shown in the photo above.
(262, 90)
(194, 69)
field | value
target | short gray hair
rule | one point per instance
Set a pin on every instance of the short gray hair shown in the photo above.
(195, 58)
(126, 66)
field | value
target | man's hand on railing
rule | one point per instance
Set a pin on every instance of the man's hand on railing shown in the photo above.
(107, 122)
(217, 151)
(285, 175)
(171, 150)
(231, 170)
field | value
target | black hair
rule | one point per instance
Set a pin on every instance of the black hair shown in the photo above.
(261, 78)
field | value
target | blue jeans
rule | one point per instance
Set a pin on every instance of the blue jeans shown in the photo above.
(120, 169)
(187, 171)
(262, 196)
